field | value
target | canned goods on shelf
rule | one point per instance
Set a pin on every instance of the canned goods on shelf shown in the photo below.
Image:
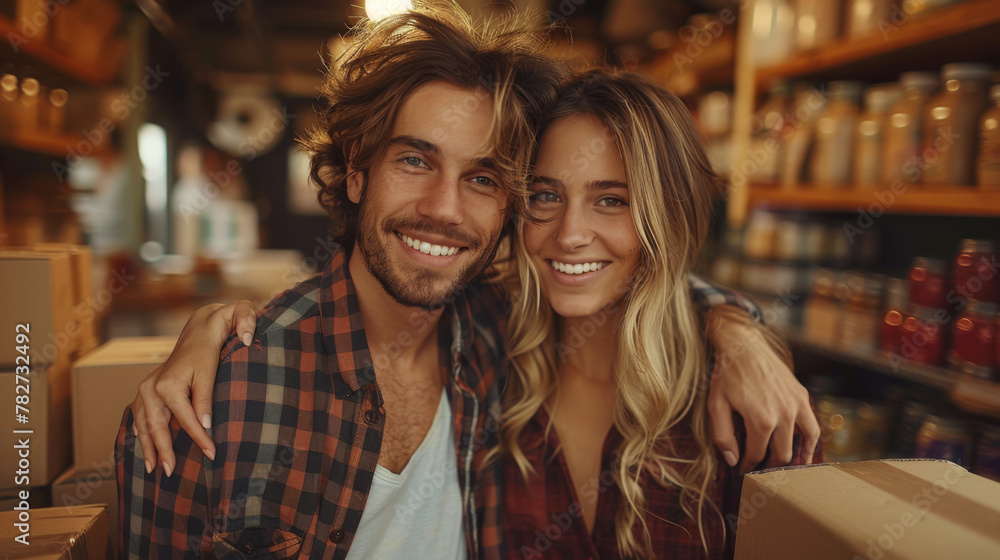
(944, 438)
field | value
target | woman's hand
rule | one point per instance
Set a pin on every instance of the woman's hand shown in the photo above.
(753, 380)
(182, 386)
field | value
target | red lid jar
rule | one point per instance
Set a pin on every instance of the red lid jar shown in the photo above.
(928, 283)
(974, 339)
(974, 274)
(891, 332)
(923, 337)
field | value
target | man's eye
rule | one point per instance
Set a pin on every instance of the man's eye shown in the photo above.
(413, 160)
(485, 181)
(544, 197)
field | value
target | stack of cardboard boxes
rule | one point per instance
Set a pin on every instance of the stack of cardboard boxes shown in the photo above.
(74, 393)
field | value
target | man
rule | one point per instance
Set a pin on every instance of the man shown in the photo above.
(352, 425)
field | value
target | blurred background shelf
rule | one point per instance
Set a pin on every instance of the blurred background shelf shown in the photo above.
(944, 201)
(54, 59)
(59, 145)
(974, 395)
(968, 31)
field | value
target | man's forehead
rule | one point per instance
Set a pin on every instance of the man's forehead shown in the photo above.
(449, 117)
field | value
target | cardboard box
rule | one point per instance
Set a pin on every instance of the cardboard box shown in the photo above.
(35, 289)
(76, 488)
(104, 382)
(59, 533)
(870, 510)
(84, 305)
(48, 448)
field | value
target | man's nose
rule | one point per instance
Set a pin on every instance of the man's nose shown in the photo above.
(441, 202)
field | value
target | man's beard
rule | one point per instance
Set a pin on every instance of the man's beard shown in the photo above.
(419, 290)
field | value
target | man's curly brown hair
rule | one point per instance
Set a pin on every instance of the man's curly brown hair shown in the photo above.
(389, 59)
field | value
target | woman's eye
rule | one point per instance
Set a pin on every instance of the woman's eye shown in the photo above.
(612, 202)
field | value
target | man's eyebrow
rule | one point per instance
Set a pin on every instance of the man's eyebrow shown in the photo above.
(416, 144)
(487, 163)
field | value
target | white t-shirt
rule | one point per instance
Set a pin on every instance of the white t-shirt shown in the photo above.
(416, 514)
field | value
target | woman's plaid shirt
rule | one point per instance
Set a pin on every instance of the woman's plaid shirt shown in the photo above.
(298, 428)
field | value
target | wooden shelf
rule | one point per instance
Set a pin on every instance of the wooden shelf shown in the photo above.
(978, 396)
(59, 61)
(947, 201)
(49, 144)
(966, 32)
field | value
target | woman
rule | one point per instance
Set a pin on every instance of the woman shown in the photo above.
(603, 337)
(620, 203)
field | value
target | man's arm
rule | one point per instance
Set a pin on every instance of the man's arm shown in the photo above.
(753, 377)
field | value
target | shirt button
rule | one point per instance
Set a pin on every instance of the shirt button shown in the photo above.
(371, 417)
(337, 536)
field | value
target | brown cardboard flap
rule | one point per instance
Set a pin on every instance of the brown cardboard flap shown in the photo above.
(907, 487)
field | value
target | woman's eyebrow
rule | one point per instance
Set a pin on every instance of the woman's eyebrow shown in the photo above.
(606, 184)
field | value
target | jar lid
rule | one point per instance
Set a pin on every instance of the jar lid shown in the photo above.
(844, 89)
(928, 264)
(982, 308)
(926, 81)
(879, 98)
(976, 245)
(967, 71)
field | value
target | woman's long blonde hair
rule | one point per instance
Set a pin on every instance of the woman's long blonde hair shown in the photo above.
(661, 358)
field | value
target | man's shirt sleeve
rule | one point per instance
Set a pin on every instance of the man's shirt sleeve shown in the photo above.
(160, 516)
(706, 295)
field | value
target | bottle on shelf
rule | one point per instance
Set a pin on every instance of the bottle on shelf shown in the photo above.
(870, 135)
(988, 162)
(9, 92)
(897, 301)
(951, 120)
(808, 104)
(831, 160)
(903, 128)
(773, 29)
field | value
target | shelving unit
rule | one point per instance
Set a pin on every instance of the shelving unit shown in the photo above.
(968, 31)
(942, 201)
(56, 60)
(902, 41)
(974, 395)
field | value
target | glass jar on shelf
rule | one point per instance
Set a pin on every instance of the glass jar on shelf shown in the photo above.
(897, 301)
(988, 162)
(766, 129)
(903, 131)
(973, 341)
(834, 134)
(863, 16)
(972, 273)
(951, 120)
(870, 134)
(822, 312)
(817, 23)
